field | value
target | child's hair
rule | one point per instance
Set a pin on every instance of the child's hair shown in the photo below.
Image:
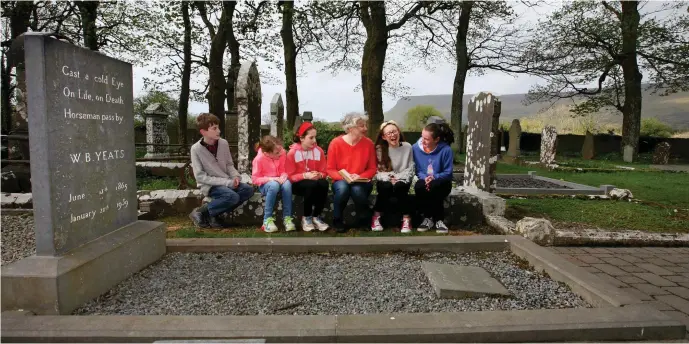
(302, 131)
(442, 131)
(206, 120)
(268, 144)
(385, 164)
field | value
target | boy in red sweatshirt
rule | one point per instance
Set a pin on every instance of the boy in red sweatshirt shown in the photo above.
(354, 153)
(268, 173)
(306, 168)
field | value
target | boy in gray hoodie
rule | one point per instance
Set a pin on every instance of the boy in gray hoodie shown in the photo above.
(215, 175)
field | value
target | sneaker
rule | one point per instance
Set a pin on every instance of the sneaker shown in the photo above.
(217, 222)
(406, 225)
(307, 224)
(269, 225)
(320, 224)
(289, 224)
(375, 224)
(198, 218)
(440, 227)
(340, 226)
(425, 225)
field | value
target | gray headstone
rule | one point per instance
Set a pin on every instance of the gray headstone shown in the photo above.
(588, 150)
(482, 141)
(277, 116)
(307, 116)
(459, 282)
(248, 97)
(156, 116)
(82, 144)
(435, 119)
(548, 144)
(661, 154)
(513, 151)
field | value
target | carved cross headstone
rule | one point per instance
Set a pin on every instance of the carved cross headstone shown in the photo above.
(513, 151)
(277, 114)
(661, 154)
(588, 150)
(482, 141)
(156, 131)
(248, 97)
(548, 144)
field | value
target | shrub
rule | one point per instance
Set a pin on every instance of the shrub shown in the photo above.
(655, 128)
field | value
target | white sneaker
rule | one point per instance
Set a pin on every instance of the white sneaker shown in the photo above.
(269, 225)
(440, 227)
(307, 224)
(289, 224)
(425, 225)
(406, 225)
(320, 224)
(375, 224)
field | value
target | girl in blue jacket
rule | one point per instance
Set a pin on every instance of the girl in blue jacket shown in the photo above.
(433, 162)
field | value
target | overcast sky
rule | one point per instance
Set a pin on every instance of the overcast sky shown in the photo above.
(330, 97)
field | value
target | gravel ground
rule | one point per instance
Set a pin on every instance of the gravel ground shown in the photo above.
(507, 182)
(18, 237)
(316, 284)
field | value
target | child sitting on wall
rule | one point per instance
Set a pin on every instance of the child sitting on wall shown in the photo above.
(268, 173)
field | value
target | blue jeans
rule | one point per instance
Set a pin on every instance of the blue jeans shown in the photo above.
(270, 191)
(359, 193)
(225, 199)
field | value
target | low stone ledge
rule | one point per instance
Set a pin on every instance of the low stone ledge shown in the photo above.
(160, 169)
(489, 203)
(578, 237)
(465, 209)
(501, 224)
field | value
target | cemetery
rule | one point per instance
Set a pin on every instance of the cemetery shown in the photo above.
(98, 245)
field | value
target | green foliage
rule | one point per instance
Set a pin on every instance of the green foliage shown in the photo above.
(326, 132)
(655, 128)
(170, 104)
(417, 116)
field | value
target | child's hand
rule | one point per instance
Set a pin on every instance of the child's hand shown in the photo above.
(235, 183)
(282, 180)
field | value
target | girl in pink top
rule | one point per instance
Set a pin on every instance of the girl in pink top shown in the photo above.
(268, 173)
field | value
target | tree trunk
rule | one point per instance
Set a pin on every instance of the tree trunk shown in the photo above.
(461, 73)
(631, 110)
(89, 13)
(233, 45)
(373, 61)
(216, 75)
(290, 51)
(186, 75)
(5, 90)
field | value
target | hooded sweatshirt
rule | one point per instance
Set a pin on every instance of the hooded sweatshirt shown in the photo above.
(264, 167)
(300, 161)
(440, 160)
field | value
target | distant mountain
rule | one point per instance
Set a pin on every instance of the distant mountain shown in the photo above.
(672, 109)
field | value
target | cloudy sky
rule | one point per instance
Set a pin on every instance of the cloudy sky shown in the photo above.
(329, 97)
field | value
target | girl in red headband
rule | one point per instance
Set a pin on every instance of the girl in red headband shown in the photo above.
(305, 166)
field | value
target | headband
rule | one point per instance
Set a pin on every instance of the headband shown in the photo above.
(385, 124)
(303, 128)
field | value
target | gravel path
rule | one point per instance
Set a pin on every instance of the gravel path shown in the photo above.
(316, 284)
(18, 237)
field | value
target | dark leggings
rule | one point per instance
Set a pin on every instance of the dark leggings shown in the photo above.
(392, 197)
(431, 202)
(315, 193)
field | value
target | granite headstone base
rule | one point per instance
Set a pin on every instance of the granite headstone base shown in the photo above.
(47, 285)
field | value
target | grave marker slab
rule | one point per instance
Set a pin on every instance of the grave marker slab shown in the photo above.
(482, 142)
(513, 151)
(458, 282)
(588, 151)
(277, 115)
(248, 98)
(548, 145)
(661, 154)
(81, 129)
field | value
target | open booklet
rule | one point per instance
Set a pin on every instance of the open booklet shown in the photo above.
(349, 178)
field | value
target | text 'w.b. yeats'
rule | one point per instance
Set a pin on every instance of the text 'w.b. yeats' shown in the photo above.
(87, 144)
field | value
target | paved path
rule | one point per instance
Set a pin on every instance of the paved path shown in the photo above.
(656, 275)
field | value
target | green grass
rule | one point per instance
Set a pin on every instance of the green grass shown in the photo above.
(661, 193)
(160, 183)
(615, 215)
